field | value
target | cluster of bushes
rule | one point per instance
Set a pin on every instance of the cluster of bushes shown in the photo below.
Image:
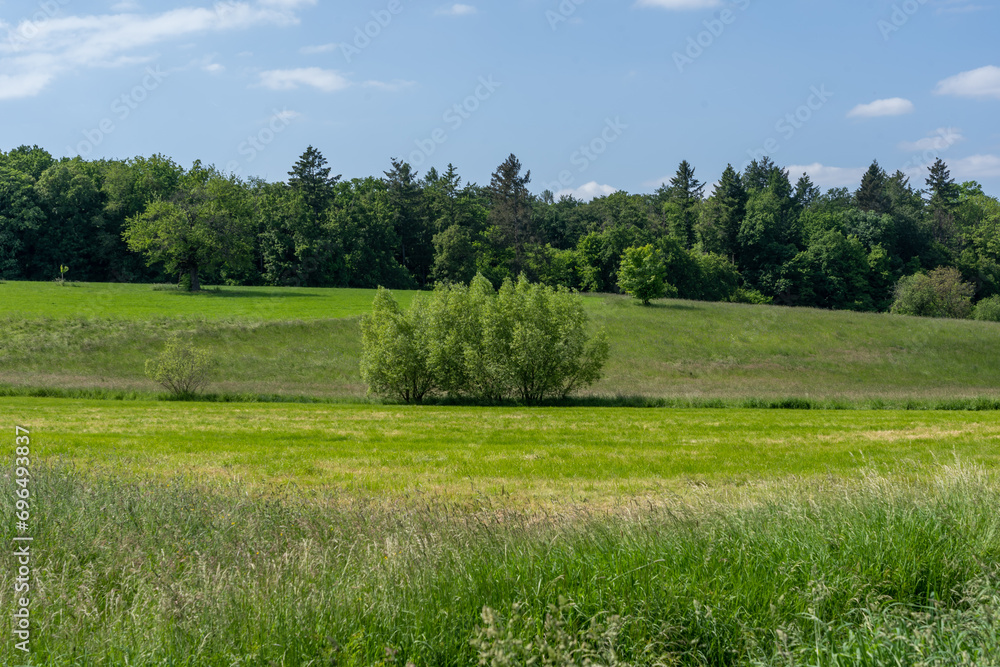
(524, 341)
(942, 293)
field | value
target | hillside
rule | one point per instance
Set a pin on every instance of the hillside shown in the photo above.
(305, 342)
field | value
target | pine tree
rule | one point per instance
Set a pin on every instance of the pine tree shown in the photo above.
(806, 192)
(683, 197)
(872, 195)
(719, 222)
(944, 199)
(311, 177)
(758, 174)
(510, 210)
(409, 219)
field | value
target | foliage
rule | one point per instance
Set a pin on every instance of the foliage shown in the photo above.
(643, 274)
(146, 219)
(941, 293)
(988, 310)
(394, 358)
(181, 368)
(526, 340)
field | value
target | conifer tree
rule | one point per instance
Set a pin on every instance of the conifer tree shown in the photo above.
(872, 195)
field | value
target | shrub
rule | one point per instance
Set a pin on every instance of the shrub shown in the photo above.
(751, 296)
(643, 274)
(988, 310)
(940, 293)
(394, 356)
(180, 368)
(526, 340)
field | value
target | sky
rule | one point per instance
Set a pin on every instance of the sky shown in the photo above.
(591, 96)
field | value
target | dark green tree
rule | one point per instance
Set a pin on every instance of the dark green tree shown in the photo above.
(872, 195)
(681, 208)
(510, 211)
(311, 178)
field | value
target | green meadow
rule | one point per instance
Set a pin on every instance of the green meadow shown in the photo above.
(299, 342)
(287, 519)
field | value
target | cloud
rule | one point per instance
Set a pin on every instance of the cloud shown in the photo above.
(326, 80)
(679, 4)
(975, 167)
(829, 177)
(894, 106)
(457, 10)
(287, 115)
(319, 48)
(33, 54)
(938, 140)
(587, 191)
(982, 82)
(214, 68)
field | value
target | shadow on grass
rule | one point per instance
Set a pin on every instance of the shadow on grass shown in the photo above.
(749, 403)
(230, 294)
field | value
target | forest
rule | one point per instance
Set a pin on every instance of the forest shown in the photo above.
(756, 237)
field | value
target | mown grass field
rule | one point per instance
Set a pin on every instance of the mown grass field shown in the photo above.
(530, 457)
(306, 342)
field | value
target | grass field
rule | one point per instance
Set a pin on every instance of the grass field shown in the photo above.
(530, 456)
(354, 533)
(302, 342)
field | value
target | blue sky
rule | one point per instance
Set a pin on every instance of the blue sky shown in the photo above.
(591, 96)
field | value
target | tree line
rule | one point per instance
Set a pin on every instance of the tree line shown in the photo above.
(756, 237)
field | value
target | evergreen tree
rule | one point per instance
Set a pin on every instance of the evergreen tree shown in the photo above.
(806, 192)
(409, 219)
(872, 195)
(720, 219)
(683, 197)
(944, 194)
(758, 174)
(510, 210)
(311, 177)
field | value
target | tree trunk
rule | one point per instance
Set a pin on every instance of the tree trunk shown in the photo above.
(195, 285)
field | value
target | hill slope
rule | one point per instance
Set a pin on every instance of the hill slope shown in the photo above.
(299, 341)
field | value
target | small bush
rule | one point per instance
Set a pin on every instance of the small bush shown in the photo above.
(940, 293)
(180, 368)
(751, 296)
(988, 310)
(643, 275)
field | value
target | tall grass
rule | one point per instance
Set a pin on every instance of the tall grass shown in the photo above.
(197, 573)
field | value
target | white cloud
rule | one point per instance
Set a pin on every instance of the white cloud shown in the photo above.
(679, 4)
(125, 6)
(938, 140)
(587, 191)
(894, 106)
(982, 82)
(456, 10)
(975, 167)
(34, 53)
(326, 80)
(287, 115)
(214, 68)
(319, 48)
(830, 177)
